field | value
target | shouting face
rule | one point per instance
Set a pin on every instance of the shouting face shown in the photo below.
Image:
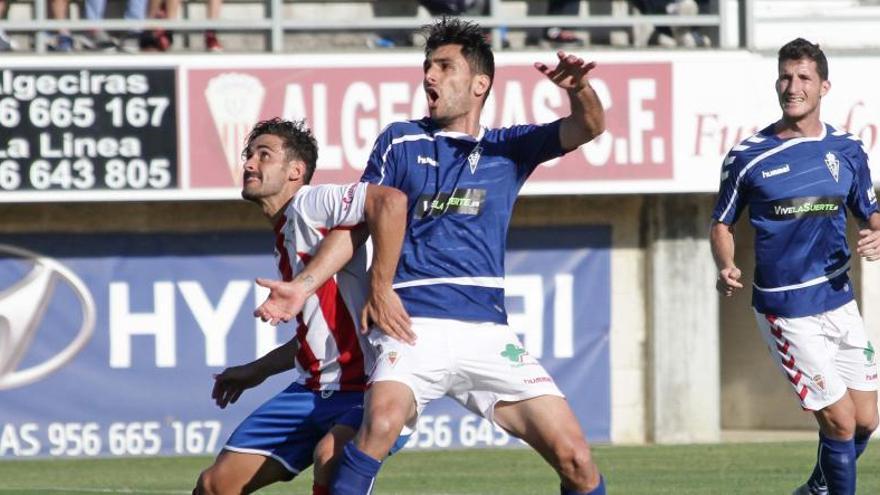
(451, 88)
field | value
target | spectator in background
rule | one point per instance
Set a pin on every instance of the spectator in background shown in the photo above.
(437, 8)
(6, 44)
(161, 40)
(674, 36)
(99, 40)
(558, 36)
(58, 9)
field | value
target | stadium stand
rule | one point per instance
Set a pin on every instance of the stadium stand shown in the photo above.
(292, 25)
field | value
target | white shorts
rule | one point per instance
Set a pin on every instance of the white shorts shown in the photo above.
(822, 355)
(475, 363)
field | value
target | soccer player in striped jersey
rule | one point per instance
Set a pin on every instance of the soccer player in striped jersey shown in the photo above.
(797, 177)
(330, 355)
(461, 182)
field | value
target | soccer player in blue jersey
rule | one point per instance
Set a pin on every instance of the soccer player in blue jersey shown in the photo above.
(797, 177)
(461, 181)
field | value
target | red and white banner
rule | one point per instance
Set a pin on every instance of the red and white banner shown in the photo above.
(670, 117)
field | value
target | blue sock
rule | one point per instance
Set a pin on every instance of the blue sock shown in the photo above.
(817, 481)
(599, 490)
(356, 472)
(838, 461)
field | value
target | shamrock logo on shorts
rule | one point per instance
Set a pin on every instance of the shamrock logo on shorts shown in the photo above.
(869, 351)
(513, 353)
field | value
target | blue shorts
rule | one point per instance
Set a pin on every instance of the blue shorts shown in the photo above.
(288, 426)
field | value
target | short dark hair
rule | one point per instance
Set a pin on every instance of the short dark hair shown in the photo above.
(299, 143)
(474, 47)
(800, 48)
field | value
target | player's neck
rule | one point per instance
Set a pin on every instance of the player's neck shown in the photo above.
(466, 124)
(273, 206)
(806, 127)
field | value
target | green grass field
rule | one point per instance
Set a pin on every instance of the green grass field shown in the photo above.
(756, 468)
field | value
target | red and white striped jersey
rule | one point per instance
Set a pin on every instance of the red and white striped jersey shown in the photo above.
(332, 355)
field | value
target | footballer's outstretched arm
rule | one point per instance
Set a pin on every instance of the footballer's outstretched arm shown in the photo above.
(286, 299)
(232, 382)
(722, 242)
(587, 117)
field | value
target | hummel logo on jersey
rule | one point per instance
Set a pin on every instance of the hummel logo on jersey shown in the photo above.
(426, 160)
(833, 165)
(776, 171)
(474, 158)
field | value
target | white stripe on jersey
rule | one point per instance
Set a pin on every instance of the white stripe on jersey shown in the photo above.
(809, 283)
(398, 140)
(768, 153)
(491, 282)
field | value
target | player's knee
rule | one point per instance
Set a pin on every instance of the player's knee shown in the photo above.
(383, 426)
(865, 426)
(839, 426)
(207, 484)
(574, 461)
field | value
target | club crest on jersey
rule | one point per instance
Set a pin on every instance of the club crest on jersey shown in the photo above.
(833, 165)
(474, 158)
(392, 358)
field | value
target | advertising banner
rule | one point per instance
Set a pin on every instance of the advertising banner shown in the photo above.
(88, 129)
(173, 128)
(108, 343)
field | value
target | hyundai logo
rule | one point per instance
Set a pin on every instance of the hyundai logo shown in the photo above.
(22, 307)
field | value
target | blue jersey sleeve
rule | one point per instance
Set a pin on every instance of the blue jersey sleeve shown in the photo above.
(862, 199)
(733, 192)
(380, 166)
(531, 145)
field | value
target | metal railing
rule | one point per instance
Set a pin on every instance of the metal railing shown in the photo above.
(274, 26)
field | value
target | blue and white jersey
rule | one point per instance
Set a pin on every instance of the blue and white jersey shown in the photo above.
(461, 193)
(797, 191)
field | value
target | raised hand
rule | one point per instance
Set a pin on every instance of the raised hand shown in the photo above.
(285, 301)
(232, 382)
(869, 244)
(570, 73)
(728, 281)
(385, 311)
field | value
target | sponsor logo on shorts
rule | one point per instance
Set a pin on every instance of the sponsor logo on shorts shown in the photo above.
(819, 381)
(326, 394)
(869, 352)
(872, 377)
(872, 196)
(813, 206)
(349, 196)
(514, 353)
(539, 379)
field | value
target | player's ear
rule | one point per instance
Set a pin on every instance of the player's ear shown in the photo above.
(296, 170)
(826, 86)
(480, 85)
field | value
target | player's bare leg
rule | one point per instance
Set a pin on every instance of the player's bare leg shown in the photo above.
(327, 454)
(388, 406)
(560, 441)
(864, 407)
(236, 472)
